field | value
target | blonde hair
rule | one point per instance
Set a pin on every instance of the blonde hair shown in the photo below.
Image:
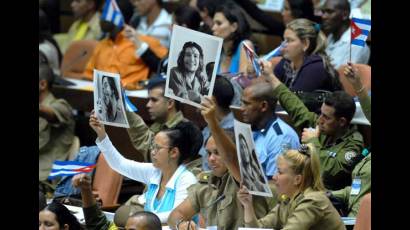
(306, 29)
(305, 163)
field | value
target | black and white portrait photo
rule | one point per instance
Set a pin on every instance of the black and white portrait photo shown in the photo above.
(108, 101)
(191, 71)
(252, 175)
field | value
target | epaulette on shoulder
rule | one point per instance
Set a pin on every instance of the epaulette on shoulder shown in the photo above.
(203, 177)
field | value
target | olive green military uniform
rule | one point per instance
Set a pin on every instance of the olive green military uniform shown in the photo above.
(96, 220)
(55, 139)
(141, 135)
(308, 210)
(361, 172)
(226, 213)
(337, 159)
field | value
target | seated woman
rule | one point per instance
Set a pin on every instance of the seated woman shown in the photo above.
(303, 204)
(167, 178)
(231, 25)
(57, 216)
(305, 65)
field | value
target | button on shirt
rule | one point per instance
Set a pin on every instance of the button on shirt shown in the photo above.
(270, 141)
(338, 51)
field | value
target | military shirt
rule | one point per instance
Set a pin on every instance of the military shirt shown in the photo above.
(337, 159)
(55, 139)
(218, 204)
(362, 171)
(141, 135)
(308, 210)
(96, 220)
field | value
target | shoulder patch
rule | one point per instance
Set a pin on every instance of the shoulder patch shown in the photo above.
(277, 128)
(203, 177)
(350, 156)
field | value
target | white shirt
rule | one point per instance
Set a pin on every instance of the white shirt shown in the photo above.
(160, 28)
(338, 51)
(147, 174)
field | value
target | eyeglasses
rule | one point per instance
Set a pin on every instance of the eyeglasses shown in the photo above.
(155, 148)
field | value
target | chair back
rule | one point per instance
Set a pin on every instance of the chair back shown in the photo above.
(364, 72)
(364, 218)
(106, 183)
(76, 57)
(74, 148)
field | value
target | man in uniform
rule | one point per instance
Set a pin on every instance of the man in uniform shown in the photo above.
(338, 142)
(56, 127)
(214, 197)
(270, 133)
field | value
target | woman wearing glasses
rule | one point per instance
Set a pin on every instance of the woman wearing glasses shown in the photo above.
(167, 178)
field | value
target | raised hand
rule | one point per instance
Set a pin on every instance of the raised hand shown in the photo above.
(132, 35)
(97, 126)
(82, 181)
(309, 133)
(208, 110)
(352, 75)
(244, 197)
(266, 68)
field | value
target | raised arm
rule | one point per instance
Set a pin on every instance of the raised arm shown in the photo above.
(135, 170)
(224, 144)
(94, 217)
(298, 112)
(352, 75)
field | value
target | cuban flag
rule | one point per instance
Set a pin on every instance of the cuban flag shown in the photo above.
(360, 29)
(112, 13)
(69, 168)
(274, 53)
(253, 58)
(128, 104)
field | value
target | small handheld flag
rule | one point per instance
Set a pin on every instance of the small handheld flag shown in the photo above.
(112, 13)
(253, 58)
(70, 168)
(360, 29)
(128, 104)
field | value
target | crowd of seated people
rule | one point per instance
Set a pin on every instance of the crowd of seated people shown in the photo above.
(315, 163)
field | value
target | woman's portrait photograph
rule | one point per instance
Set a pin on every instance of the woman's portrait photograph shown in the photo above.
(108, 101)
(252, 175)
(189, 76)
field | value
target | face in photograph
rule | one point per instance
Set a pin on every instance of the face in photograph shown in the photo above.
(191, 59)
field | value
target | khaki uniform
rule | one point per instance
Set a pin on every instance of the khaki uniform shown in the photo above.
(141, 135)
(362, 171)
(337, 159)
(308, 210)
(55, 139)
(227, 213)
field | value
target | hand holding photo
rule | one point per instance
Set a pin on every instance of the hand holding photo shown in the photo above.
(108, 99)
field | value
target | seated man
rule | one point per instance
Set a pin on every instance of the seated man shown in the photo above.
(336, 25)
(56, 126)
(214, 197)
(270, 133)
(95, 218)
(85, 26)
(117, 53)
(338, 142)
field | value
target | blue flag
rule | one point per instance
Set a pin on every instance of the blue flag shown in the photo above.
(274, 53)
(70, 168)
(360, 29)
(128, 104)
(253, 57)
(112, 13)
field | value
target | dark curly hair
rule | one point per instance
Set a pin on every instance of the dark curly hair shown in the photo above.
(63, 215)
(180, 61)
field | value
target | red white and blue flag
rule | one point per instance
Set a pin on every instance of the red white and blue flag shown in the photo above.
(128, 104)
(360, 29)
(70, 168)
(112, 13)
(253, 57)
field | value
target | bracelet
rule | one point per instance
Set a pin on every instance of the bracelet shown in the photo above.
(360, 90)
